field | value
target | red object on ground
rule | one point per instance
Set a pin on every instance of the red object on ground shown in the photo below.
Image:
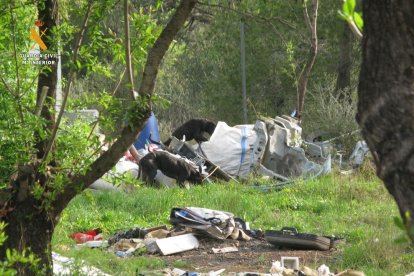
(90, 235)
(81, 237)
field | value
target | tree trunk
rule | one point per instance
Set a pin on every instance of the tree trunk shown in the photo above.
(386, 97)
(343, 81)
(29, 229)
(48, 13)
(313, 51)
(28, 225)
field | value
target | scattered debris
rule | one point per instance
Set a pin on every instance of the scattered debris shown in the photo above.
(210, 169)
(323, 270)
(225, 249)
(351, 272)
(289, 237)
(157, 234)
(135, 233)
(171, 245)
(94, 244)
(276, 268)
(357, 157)
(151, 245)
(217, 224)
(82, 237)
(290, 262)
(309, 271)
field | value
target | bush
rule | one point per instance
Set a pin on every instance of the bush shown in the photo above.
(330, 117)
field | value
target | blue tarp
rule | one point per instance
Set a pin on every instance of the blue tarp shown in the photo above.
(150, 129)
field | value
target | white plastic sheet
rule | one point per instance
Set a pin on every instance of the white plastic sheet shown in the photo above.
(235, 149)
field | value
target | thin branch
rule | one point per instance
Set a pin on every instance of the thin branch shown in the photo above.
(8, 88)
(119, 82)
(69, 82)
(355, 30)
(40, 102)
(130, 73)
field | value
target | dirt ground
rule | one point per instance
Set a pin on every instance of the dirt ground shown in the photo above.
(252, 256)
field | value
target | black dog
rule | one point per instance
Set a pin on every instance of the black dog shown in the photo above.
(169, 165)
(193, 129)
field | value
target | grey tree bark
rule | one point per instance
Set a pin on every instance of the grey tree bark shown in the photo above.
(386, 97)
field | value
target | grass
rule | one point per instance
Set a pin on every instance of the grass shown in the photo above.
(357, 208)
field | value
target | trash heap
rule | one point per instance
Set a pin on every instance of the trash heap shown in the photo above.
(189, 224)
(272, 147)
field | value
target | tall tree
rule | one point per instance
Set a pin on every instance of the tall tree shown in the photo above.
(31, 216)
(386, 98)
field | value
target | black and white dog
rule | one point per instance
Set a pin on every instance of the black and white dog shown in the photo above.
(169, 165)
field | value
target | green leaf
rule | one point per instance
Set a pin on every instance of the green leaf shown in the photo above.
(348, 7)
(358, 20)
(343, 16)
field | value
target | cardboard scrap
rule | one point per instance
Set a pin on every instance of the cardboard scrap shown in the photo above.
(225, 249)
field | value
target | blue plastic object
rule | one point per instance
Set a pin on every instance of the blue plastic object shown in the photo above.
(150, 130)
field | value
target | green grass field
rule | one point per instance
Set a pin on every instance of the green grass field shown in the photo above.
(356, 208)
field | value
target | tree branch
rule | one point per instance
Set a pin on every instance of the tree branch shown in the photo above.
(128, 50)
(304, 75)
(8, 88)
(129, 133)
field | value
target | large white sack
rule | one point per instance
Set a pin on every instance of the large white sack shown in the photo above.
(232, 148)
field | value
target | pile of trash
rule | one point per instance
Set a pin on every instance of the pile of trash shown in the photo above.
(189, 224)
(272, 147)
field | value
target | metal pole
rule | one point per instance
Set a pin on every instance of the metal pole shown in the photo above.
(243, 64)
